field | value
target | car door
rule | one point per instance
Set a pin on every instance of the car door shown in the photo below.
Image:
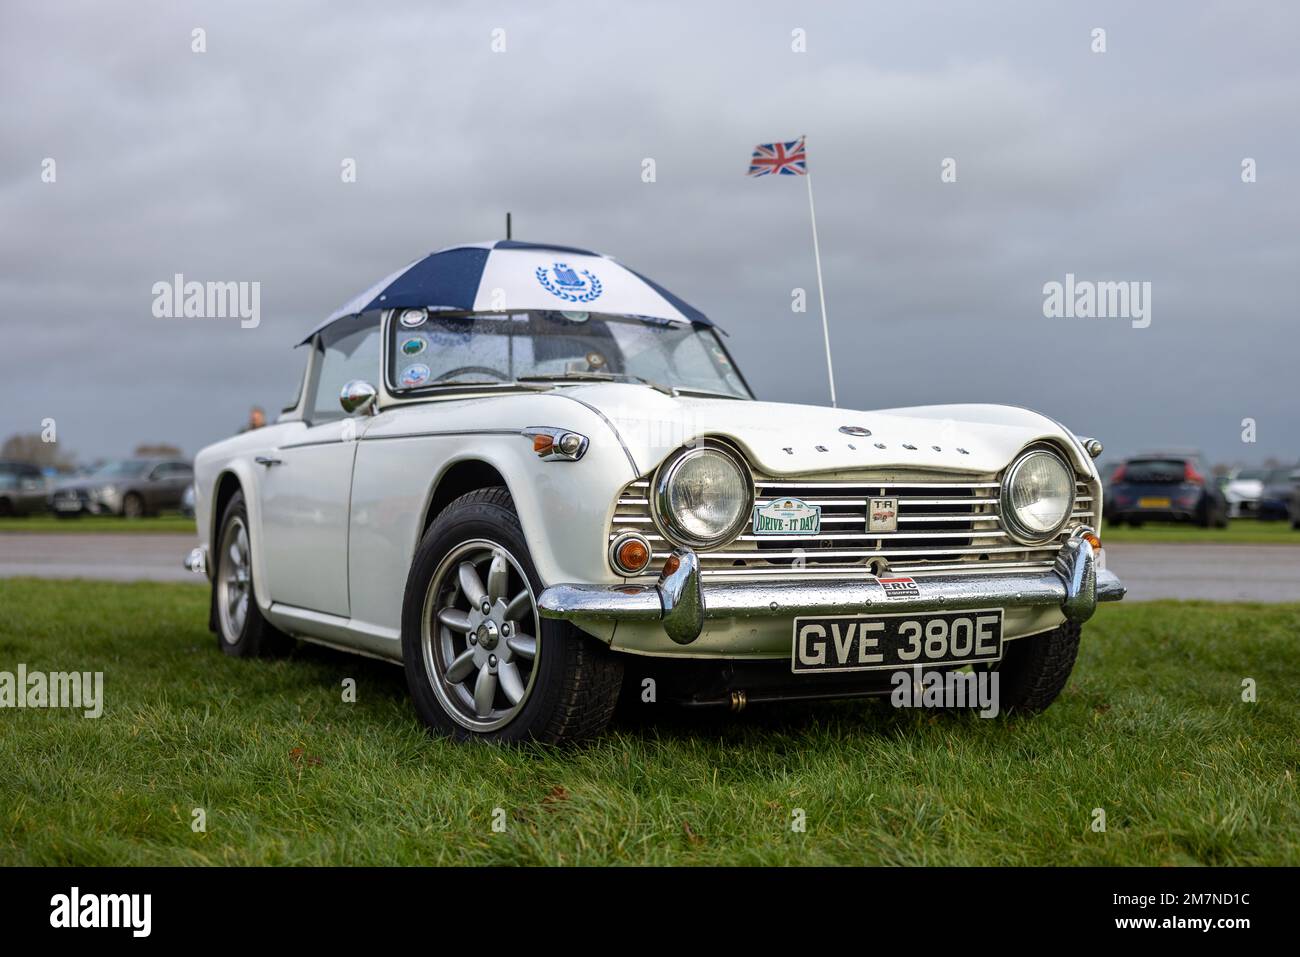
(306, 481)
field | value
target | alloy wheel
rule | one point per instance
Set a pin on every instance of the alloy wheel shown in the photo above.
(234, 581)
(480, 635)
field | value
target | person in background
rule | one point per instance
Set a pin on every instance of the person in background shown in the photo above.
(256, 419)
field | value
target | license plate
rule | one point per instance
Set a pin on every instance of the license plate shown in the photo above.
(894, 641)
(62, 506)
(1153, 503)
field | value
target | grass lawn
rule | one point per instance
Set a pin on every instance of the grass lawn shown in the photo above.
(167, 522)
(1151, 728)
(1240, 531)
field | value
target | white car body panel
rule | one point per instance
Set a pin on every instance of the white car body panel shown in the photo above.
(335, 527)
(653, 424)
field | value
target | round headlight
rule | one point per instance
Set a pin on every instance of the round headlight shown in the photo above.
(1037, 497)
(703, 496)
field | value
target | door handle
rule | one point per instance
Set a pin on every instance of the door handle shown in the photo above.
(268, 461)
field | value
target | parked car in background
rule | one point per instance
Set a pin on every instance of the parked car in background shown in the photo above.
(1279, 487)
(1107, 472)
(22, 489)
(131, 488)
(187, 501)
(1166, 488)
(1242, 490)
(517, 505)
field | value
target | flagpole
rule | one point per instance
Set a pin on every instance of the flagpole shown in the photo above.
(821, 292)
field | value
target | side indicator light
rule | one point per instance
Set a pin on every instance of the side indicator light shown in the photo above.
(633, 555)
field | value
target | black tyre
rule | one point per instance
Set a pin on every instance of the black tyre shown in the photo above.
(242, 632)
(480, 662)
(132, 506)
(1033, 670)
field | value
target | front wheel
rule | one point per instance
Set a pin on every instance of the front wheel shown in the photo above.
(481, 663)
(1034, 670)
(242, 632)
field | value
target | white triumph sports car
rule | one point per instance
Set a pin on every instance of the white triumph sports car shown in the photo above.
(523, 471)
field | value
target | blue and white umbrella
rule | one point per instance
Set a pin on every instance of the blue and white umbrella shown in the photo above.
(507, 275)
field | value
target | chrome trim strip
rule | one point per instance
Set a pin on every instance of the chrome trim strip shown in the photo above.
(434, 434)
(560, 393)
(883, 553)
(855, 484)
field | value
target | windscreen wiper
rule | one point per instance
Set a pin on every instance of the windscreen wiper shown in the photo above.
(597, 377)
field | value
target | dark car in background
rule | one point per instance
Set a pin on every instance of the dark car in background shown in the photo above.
(131, 488)
(1277, 499)
(22, 489)
(1107, 472)
(1165, 488)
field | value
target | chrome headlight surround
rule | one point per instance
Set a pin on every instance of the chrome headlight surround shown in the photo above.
(1011, 521)
(661, 510)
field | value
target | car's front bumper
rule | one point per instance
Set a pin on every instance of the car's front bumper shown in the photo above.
(682, 604)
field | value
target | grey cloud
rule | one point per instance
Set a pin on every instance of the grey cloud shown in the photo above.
(226, 166)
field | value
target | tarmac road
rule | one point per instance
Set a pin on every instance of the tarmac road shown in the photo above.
(1211, 572)
(115, 556)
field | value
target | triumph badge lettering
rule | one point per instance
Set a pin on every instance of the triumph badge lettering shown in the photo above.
(787, 516)
(882, 514)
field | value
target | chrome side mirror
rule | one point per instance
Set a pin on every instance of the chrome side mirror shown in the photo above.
(358, 396)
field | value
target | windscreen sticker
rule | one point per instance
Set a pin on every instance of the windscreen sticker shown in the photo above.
(417, 374)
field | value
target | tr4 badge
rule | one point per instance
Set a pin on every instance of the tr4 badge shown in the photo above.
(787, 516)
(882, 514)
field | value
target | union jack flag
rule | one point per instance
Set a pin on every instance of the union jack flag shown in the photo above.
(784, 159)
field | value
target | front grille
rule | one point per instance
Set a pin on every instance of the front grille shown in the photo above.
(942, 526)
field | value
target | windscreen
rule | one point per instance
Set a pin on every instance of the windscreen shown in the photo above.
(431, 351)
(1155, 470)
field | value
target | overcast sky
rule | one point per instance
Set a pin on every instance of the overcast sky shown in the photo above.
(225, 165)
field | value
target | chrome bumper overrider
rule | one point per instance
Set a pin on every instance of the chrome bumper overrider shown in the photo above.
(682, 603)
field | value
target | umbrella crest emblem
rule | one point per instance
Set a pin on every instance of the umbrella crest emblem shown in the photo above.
(562, 281)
